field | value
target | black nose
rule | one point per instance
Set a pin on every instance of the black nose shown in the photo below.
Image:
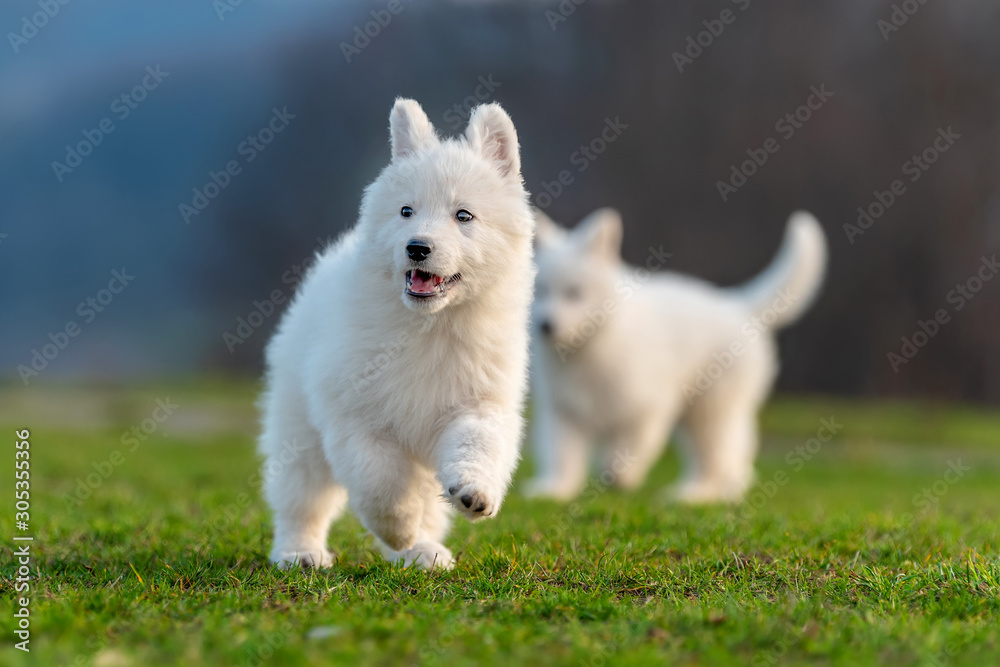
(418, 250)
(546, 328)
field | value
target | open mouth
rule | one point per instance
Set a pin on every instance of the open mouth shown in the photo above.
(422, 285)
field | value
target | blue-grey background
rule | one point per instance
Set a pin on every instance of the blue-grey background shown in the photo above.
(560, 80)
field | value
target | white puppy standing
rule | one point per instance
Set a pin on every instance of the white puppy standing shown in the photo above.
(396, 379)
(621, 356)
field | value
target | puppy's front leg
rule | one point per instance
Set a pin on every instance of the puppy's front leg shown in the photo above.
(476, 458)
(562, 455)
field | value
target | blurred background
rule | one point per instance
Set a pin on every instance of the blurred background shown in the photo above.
(204, 151)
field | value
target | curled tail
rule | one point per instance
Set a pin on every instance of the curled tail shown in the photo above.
(790, 284)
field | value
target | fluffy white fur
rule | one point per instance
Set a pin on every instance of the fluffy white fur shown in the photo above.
(622, 355)
(405, 407)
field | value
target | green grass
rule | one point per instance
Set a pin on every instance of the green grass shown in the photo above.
(843, 562)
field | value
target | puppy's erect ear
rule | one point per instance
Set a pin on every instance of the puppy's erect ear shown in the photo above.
(409, 129)
(547, 232)
(491, 131)
(601, 233)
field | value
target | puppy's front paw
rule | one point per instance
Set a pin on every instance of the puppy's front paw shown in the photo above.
(316, 558)
(472, 493)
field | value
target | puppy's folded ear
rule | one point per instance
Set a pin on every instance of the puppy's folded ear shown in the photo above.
(601, 233)
(491, 131)
(547, 232)
(409, 129)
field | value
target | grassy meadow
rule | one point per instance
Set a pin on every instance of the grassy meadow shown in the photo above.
(880, 546)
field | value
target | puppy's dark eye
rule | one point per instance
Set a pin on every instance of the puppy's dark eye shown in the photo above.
(463, 215)
(406, 211)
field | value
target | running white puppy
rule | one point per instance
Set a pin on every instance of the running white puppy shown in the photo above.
(621, 356)
(398, 374)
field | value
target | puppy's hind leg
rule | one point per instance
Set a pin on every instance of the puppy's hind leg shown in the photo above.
(299, 486)
(722, 445)
(722, 424)
(636, 449)
(397, 500)
(427, 551)
(438, 513)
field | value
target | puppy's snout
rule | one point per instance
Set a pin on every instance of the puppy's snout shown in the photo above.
(545, 327)
(418, 250)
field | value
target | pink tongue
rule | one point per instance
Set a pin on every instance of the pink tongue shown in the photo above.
(419, 285)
